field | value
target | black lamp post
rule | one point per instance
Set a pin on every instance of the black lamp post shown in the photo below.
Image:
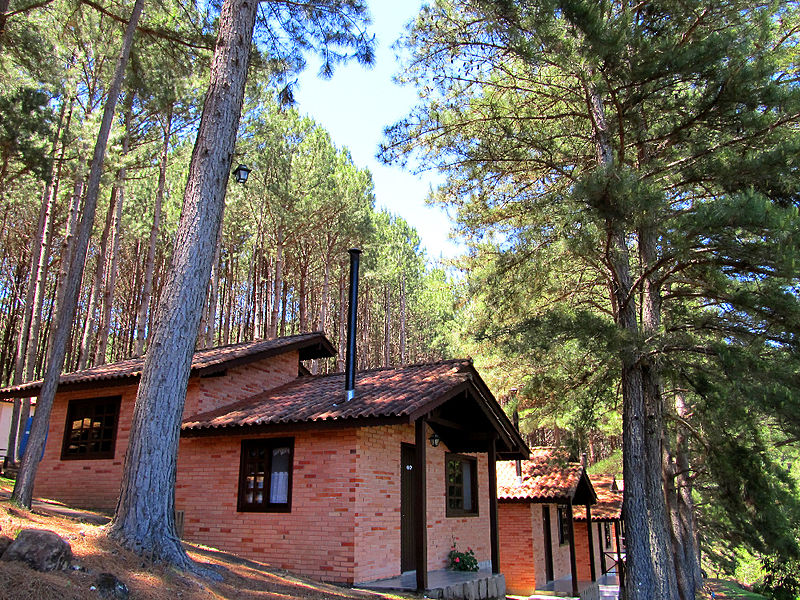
(240, 173)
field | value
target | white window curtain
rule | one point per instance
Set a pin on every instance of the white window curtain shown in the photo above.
(279, 478)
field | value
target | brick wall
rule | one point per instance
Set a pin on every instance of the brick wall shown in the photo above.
(95, 483)
(582, 551)
(209, 393)
(515, 522)
(524, 564)
(84, 483)
(315, 538)
(344, 525)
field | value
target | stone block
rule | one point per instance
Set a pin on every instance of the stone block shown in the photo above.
(501, 585)
(470, 591)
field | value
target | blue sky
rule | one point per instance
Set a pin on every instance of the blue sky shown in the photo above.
(357, 103)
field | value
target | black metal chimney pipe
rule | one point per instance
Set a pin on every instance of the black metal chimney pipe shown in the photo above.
(350, 356)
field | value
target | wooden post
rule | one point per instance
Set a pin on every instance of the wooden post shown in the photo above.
(494, 536)
(572, 562)
(592, 570)
(620, 565)
(420, 502)
(601, 544)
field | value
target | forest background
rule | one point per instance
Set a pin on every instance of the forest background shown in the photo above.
(533, 315)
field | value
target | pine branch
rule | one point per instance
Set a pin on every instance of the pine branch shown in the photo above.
(158, 33)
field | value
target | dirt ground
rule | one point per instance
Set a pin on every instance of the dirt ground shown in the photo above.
(94, 553)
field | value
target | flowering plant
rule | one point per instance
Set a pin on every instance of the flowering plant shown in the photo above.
(462, 561)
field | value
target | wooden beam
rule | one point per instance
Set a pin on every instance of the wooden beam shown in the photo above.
(494, 535)
(420, 506)
(572, 562)
(592, 570)
(447, 423)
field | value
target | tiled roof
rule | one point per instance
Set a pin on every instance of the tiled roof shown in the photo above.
(545, 476)
(394, 392)
(609, 500)
(310, 345)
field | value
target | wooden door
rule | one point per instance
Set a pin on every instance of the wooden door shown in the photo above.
(407, 515)
(548, 544)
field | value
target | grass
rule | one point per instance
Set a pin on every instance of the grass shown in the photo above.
(94, 553)
(724, 589)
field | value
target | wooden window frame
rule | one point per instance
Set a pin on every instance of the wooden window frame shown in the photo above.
(84, 407)
(269, 444)
(461, 512)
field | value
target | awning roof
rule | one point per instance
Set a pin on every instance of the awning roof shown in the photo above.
(546, 477)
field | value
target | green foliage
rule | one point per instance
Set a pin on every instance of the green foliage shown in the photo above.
(781, 579)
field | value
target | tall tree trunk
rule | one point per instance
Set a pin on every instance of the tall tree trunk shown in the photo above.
(111, 279)
(403, 320)
(681, 509)
(213, 296)
(302, 292)
(642, 581)
(145, 516)
(40, 252)
(277, 283)
(387, 328)
(141, 320)
(65, 314)
(664, 562)
(99, 273)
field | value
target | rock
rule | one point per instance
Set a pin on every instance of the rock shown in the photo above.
(111, 588)
(5, 542)
(42, 550)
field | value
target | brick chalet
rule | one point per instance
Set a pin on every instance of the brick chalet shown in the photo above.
(276, 465)
(606, 516)
(537, 498)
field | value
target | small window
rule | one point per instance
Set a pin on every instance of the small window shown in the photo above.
(265, 476)
(462, 485)
(607, 534)
(91, 428)
(563, 525)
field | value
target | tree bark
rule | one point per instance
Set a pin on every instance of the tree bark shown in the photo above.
(147, 291)
(144, 520)
(65, 313)
(667, 569)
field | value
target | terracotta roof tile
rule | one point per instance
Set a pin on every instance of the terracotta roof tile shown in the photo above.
(609, 500)
(204, 361)
(545, 476)
(395, 392)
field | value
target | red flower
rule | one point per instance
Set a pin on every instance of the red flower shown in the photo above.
(458, 559)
